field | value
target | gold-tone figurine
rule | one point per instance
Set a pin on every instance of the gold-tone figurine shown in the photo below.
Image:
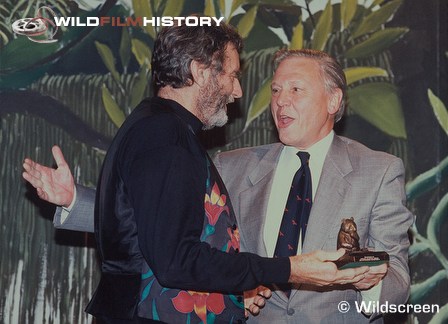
(355, 256)
(348, 237)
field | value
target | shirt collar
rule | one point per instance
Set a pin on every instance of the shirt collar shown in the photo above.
(318, 151)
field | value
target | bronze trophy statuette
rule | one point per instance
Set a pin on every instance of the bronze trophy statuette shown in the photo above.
(355, 256)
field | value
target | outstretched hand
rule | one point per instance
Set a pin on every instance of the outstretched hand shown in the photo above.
(53, 185)
(315, 268)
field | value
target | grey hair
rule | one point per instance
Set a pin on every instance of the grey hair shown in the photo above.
(177, 46)
(331, 71)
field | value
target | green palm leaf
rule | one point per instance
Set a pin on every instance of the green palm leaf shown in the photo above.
(323, 28)
(376, 43)
(439, 110)
(354, 74)
(139, 87)
(376, 19)
(209, 9)
(108, 59)
(378, 103)
(297, 37)
(113, 110)
(125, 48)
(260, 102)
(348, 10)
(143, 9)
(246, 23)
(141, 51)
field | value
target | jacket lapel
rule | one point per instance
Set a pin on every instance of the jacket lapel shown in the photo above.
(253, 200)
(254, 204)
(331, 192)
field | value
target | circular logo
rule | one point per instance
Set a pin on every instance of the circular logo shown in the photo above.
(29, 26)
(37, 26)
(343, 306)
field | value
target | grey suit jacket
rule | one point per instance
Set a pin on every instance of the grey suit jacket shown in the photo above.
(355, 182)
(81, 216)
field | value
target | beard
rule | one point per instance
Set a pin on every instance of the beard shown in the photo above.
(212, 105)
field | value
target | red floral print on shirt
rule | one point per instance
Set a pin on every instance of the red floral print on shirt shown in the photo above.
(199, 302)
(215, 204)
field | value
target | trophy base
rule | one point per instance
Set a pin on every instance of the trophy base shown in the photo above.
(361, 258)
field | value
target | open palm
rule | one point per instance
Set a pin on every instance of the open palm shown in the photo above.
(53, 185)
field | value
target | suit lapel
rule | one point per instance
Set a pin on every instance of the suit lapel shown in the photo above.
(254, 204)
(253, 201)
(333, 188)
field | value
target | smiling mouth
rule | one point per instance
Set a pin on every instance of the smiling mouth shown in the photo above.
(284, 121)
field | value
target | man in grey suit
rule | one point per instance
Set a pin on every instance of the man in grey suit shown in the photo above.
(349, 180)
(308, 96)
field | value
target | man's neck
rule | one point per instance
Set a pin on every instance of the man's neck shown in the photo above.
(184, 96)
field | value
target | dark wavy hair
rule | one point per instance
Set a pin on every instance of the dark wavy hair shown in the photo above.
(331, 71)
(176, 46)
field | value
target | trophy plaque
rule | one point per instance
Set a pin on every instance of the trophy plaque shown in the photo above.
(355, 256)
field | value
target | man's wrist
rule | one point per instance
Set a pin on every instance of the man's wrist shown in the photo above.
(69, 207)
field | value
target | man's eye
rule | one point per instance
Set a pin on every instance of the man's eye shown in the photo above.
(274, 91)
(236, 75)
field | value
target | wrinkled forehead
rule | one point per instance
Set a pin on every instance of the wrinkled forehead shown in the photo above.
(297, 68)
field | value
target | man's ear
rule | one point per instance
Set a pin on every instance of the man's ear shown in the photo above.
(200, 73)
(335, 101)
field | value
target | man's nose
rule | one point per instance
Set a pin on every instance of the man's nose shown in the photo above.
(283, 98)
(237, 90)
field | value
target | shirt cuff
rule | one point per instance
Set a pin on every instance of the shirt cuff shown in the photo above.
(66, 210)
(372, 295)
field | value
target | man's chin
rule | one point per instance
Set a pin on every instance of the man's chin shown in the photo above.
(285, 139)
(216, 122)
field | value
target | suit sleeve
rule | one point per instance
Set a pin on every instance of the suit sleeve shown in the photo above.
(388, 231)
(81, 216)
(168, 199)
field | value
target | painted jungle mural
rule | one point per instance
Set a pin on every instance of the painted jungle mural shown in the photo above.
(74, 85)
